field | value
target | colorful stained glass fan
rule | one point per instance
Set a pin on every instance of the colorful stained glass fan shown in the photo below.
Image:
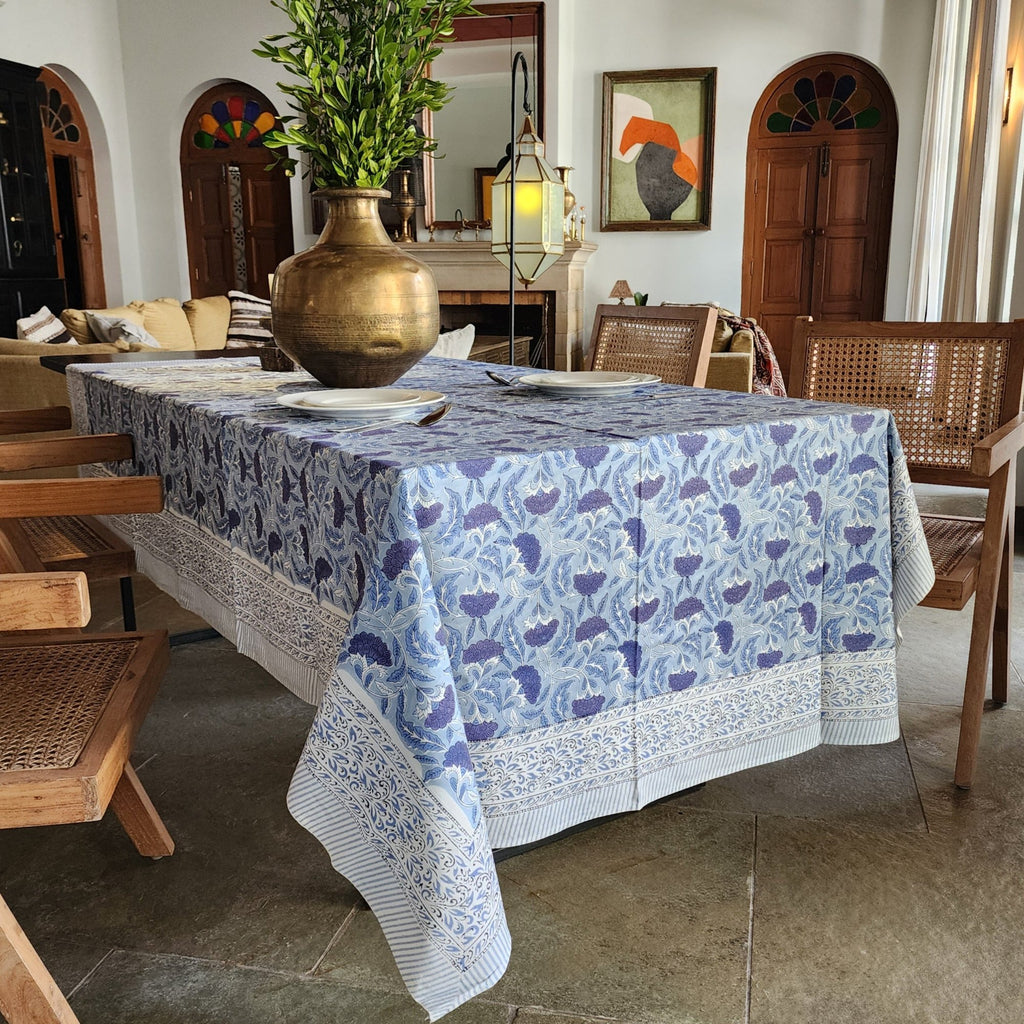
(234, 120)
(826, 98)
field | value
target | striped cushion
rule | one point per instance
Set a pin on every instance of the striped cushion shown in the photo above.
(45, 327)
(246, 313)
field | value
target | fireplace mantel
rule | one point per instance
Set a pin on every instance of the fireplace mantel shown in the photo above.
(461, 268)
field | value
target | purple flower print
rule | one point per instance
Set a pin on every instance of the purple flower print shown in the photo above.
(481, 651)
(543, 501)
(775, 590)
(857, 535)
(815, 576)
(769, 659)
(443, 712)
(824, 463)
(687, 565)
(783, 475)
(631, 651)
(474, 468)
(542, 633)
(775, 549)
(692, 444)
(724, 633)
(809, 616)
(737, 592)
(322, 570)
(591, 457)
(812, 499)
(590, 628)
(427, 515)
(691, 606)
(782, 433)
(458, 757)
(372, 648)
(480, 515)
(855, 642)
(476, 731)
(528, 679)
(529, 550)
(643, 611)
(862, 421)
(730, 520)
(694, 488)
(637, 533)
(586, 706)
(338, 505)
(742, 476)
(593, 500)
(588, 583)
(863, 464)
(682, 680)
(478, 605)
(399, 556)
(649, 488)
(861, 572)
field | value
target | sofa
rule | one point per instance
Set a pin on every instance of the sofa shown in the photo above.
(195, 324)
(731, 366)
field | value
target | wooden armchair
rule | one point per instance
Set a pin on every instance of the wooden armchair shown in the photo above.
(68, 542)
(672, 341)
(955, 393)
(71, 705)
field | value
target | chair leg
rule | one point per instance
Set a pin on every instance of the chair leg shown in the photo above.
(981, 630)
(139, 817)
(28, 994)
(1001, 627)
(128, 604)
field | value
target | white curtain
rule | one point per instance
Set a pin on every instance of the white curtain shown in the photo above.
(954, 227)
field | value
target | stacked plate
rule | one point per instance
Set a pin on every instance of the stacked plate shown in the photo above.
(361, 403)
(588, 383)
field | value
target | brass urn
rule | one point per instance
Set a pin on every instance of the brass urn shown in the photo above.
(355, 310)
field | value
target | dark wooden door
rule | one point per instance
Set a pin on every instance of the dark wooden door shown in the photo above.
(238, 220)
(75, 207)
(820, 168)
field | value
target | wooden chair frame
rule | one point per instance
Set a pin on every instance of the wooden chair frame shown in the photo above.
(983, 564)
(652, 339)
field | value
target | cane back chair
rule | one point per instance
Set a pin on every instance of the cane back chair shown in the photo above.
(673, 342)
(955, 393)
(78, 543)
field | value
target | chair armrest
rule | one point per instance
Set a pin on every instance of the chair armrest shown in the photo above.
(82, 497)
(28, 421)
(998, 448)
(64, 451)
(44, 600)
(730, 371)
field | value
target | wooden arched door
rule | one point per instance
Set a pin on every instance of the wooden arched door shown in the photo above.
(76, 218)
(821, 159)
(238, 214)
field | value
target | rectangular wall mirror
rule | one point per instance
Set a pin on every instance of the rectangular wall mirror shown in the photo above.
(472, 131)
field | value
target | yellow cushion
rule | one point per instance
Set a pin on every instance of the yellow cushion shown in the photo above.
(209, 319)
(723, 335)
(74, 320)
(166, 321)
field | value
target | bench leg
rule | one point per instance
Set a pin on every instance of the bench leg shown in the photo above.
(28, 994)
(139, 818)
(128, 604)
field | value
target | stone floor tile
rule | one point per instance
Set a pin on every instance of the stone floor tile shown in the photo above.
(864, 786)
(855, 927)
(994, 806)
(643, 918)
(131, 988)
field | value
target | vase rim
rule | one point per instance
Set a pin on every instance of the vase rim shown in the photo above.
(344, 191)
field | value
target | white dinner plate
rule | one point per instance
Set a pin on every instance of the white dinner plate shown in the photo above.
(360, 403)
(580, 383)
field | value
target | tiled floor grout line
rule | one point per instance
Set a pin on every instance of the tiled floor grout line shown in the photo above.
(91, 972)
(342, 928)
(750, 925)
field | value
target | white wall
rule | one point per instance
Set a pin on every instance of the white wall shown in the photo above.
(81, 41)
(145, 61)
(749, 42)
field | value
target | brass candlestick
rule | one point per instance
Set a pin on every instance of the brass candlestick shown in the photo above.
(405, 204)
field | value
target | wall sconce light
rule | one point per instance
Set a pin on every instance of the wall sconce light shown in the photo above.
(1007, 93)
(527, 207)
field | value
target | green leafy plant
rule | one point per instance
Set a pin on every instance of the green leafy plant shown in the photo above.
(640, 298)
(360, 81)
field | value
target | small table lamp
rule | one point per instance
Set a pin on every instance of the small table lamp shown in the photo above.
(621, 290)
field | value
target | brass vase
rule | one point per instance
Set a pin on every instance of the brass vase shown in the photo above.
(354, 310)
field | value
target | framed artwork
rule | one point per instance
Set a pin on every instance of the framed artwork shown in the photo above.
(657, 134)
(483, 180)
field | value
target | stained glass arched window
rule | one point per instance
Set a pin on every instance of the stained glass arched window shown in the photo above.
(841, 100)
(59, 118)
(234, 120)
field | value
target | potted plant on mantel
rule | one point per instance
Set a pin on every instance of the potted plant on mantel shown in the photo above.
(355, 310)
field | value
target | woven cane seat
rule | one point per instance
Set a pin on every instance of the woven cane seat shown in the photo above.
(79, 543)
(672, 342)
(955, 547)
(44, 728)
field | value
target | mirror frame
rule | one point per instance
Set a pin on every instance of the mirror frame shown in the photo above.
(470, 26)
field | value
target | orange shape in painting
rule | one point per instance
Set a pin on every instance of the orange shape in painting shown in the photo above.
(641, 130)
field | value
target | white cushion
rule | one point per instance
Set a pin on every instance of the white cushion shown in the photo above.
(455, 344)
(44, 327)
(120, 332)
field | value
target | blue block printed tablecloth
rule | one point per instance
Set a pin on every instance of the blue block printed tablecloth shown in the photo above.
(530, 614)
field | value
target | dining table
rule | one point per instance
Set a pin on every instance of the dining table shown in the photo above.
(539, 610)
